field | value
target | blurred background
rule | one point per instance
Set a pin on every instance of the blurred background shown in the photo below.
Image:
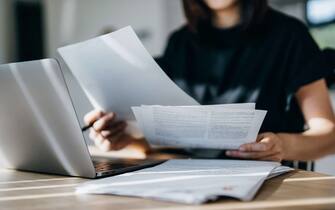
(34, 29)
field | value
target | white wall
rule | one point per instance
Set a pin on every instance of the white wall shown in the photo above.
(70, 21)
(174, 15)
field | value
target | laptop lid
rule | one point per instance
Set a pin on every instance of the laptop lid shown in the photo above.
(39, 130)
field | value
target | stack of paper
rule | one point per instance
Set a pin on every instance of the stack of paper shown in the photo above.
(189, 181)
(214, 127)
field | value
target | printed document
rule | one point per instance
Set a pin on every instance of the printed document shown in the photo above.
(191, 181)
(210, 127)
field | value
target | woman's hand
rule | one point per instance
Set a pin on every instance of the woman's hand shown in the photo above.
(107, 132)
(268, 146)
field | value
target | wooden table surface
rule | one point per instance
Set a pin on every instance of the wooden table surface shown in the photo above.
(295, 190)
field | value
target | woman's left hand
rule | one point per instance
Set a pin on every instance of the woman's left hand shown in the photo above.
(268, 146)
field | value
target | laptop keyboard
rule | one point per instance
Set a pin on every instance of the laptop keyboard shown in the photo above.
(111, 165)
(108, 167)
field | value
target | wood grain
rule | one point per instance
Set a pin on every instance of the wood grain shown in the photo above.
(295, 190)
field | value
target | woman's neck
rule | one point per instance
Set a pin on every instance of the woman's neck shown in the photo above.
(227, 18)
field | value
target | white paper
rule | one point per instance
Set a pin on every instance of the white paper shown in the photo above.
(248, 106)
(188, 181)
(279, 171)
(116, 72)
(210, 127)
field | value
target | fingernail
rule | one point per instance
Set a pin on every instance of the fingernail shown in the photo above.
(242, 149)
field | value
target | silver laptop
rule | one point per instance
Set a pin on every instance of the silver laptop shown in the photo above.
(39, 128)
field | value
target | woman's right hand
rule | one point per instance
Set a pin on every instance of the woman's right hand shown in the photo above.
(107, 132)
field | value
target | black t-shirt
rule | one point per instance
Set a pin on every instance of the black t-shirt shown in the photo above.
(265, 64)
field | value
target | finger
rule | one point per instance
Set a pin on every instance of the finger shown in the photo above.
(105, 146)
(115, 141)
(93, 134)
(268, 142)
(119, 127)
(98, 139)
(244, 155)
(256, 147)
(104, 122)
(102, 143)
(262, 136)
(93, 116)
(274, 157)
(248, 155)
(122, 142)
(98, 144)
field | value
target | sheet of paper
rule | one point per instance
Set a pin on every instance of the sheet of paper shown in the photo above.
(249, 106)
(279, 171)
(211, 127)
(188, 181)
(116, 72)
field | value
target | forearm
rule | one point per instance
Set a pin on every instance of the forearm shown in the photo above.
(309, 145)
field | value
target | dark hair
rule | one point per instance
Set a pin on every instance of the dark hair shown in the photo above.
(252, 12)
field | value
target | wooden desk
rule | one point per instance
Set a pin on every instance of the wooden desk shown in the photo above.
(296, 190)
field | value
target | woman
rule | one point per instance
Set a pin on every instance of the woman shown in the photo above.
(235, 51)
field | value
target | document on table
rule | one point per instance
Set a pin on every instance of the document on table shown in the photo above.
(191, 181)
(279, 171)
(210, 127)
(116, 72)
